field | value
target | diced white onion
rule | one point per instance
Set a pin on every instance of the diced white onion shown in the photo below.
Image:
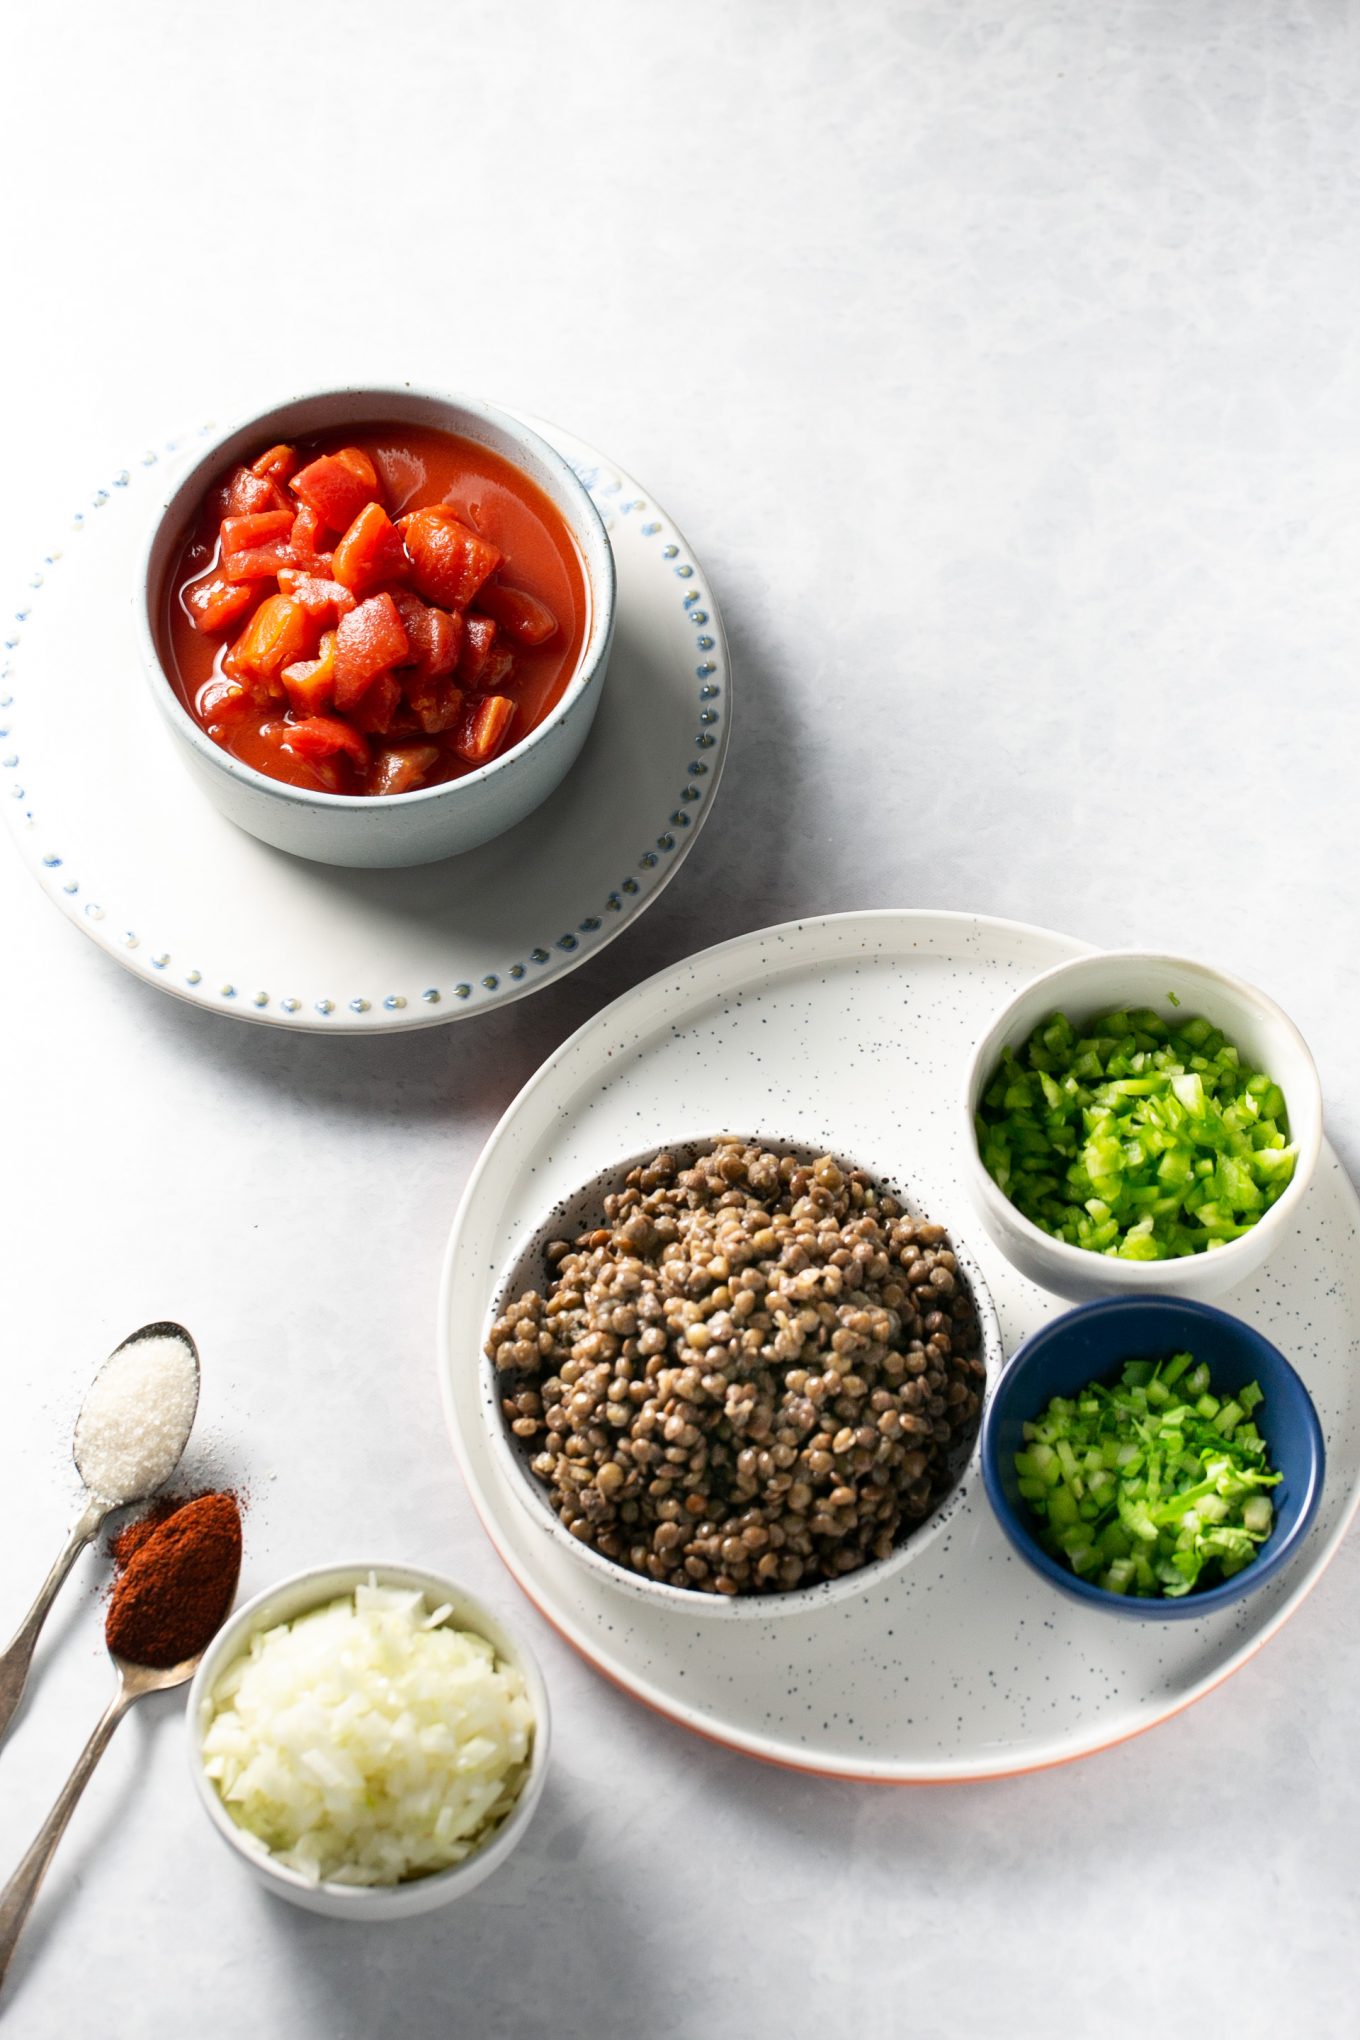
(361, 1746)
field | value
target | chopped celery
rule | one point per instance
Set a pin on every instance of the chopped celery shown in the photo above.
(1257, 1516)
(1135, 1138)
(1152, 1485)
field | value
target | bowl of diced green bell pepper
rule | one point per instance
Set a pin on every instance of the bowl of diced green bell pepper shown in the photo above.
(1140, 1123)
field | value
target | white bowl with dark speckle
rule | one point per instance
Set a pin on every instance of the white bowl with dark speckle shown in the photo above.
(527, 1269)
(1175, 988)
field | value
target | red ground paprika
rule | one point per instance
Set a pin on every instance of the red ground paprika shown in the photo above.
(177, 1585)
(132, 1536)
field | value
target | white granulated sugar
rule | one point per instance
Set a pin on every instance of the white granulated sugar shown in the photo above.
(136, 1419)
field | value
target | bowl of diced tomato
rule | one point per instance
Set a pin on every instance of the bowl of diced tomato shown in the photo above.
(377, 623)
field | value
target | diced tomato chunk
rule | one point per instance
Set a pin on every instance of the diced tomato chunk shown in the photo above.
(308, 530)
(219, 701)
(216, 605)
(434, 702)
(400, 768)
(251, 495)
(449, 561)
(378, 704)
(261, 563)
(479, 642)
(310, 683)
(520, 615)
(321, 736)
(277, 464)
(482, 727)
(369, 640)
(371, 551)
(261, 527)
(310, 686)
(438, 643)
(318, 597)
(279, 633)
(361, 467)
(337, 486)
(499, 669)
(435, 635)
(335, 774)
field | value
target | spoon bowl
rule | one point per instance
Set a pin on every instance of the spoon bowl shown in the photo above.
(15, 1662)
(87, 1462)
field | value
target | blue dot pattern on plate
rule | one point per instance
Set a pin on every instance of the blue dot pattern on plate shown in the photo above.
(607, 488)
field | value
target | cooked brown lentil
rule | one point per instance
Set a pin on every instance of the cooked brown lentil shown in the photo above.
(757, 1374)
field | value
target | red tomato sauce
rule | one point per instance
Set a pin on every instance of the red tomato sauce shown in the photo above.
(435, 666)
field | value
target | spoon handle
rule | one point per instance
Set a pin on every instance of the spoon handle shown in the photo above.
(19, 1894)
(16, 1660)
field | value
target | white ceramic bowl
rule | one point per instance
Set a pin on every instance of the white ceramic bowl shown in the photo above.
(434, 821)
(527, 1269)
(312, 1589)
(1091, 985)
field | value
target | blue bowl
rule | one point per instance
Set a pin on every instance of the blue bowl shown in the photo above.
(1092, 1343)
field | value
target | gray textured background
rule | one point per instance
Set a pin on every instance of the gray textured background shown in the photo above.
(999, 361)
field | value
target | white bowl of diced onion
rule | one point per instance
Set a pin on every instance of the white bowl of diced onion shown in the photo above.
(370, 1739)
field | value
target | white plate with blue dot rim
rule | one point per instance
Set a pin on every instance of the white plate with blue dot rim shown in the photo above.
(120, 839)
(854, 1030)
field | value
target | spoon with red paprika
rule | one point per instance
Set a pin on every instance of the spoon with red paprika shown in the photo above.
(166, 1607)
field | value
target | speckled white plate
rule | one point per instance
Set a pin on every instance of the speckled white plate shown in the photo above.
(119, 837)
(854, 1030)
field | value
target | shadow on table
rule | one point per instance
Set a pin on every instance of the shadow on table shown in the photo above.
(103, 1810)
(740, 875)
(542, 1950)
(572, 1938)
(67, 1619)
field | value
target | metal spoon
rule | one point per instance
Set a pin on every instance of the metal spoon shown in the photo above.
(17, 1658)
(134, 1682)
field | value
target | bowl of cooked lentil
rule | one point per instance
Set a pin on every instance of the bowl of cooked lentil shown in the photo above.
(739, 1375)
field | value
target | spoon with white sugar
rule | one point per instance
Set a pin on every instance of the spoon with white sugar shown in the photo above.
(130, 1436)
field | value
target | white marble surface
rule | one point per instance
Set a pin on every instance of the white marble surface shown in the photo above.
(1000, 362)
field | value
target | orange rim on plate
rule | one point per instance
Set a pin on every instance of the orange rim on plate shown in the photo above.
(622, 1026)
